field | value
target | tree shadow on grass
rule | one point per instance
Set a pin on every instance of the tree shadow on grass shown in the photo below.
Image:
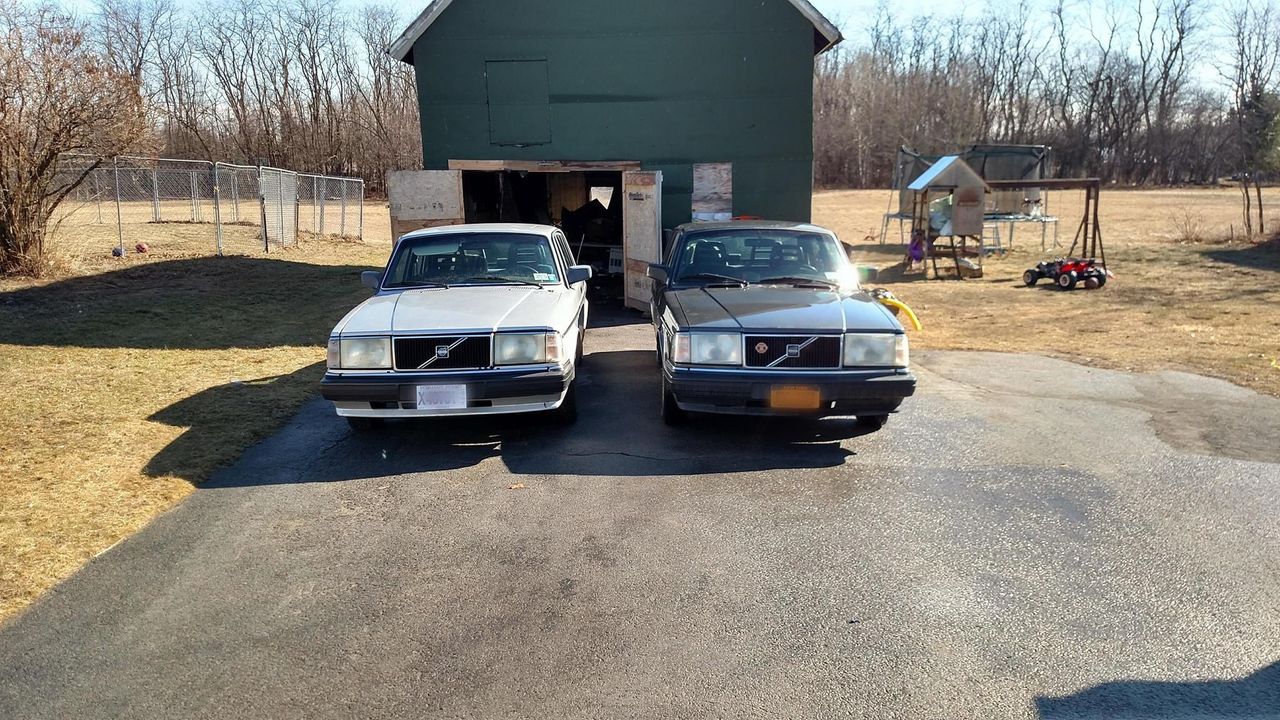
(205, 303)
(1263, 256)
(1253, 697)
(619, 433)
(223, 420)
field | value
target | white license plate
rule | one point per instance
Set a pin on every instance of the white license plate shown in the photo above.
(442, 397)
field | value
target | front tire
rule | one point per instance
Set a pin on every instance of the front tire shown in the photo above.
(1067, 281)
(567, 413)
(672, 415)
(1030, 278)
(364, 424)
(871, 423)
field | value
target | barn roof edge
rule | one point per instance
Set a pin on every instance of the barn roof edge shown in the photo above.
(826, 34)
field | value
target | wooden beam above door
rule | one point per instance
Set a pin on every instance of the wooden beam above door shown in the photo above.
(545, 166)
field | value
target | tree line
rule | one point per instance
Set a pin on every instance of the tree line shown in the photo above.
(1141, 92)
(1150, 92)
(301, 84)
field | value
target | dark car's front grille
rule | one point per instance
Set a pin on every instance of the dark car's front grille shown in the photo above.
(799, 351)
(443, 353)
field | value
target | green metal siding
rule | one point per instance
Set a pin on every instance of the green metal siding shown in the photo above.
(669, 83)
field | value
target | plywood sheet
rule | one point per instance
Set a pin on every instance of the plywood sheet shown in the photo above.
(424, 198)
(642, 234)
(712, 189)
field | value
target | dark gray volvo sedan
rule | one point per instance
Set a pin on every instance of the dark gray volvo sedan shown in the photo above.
(762, 318)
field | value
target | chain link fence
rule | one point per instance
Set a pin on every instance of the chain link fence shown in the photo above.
(136, 204)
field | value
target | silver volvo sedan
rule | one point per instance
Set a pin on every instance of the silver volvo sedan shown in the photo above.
(466, 320)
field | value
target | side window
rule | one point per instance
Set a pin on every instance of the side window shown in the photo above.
(565, 250)
(673, 249)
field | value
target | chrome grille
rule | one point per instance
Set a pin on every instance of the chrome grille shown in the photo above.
(432, 354)
(797, 352)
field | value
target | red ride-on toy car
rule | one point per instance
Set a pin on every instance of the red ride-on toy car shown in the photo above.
(1066, 273)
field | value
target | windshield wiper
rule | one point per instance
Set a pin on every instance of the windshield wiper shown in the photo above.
(494, 279)
(796, 281)
(713, 276)
(415, 285)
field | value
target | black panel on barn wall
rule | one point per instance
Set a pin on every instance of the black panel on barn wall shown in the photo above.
(519, 102)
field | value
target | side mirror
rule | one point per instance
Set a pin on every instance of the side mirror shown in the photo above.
(659, 273)
(371, 279)
(579, 274)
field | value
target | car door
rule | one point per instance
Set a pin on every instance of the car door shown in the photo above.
(579, 291)
(657, 289)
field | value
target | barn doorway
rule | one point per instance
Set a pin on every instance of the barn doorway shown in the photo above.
(610, 212)
(587, 206)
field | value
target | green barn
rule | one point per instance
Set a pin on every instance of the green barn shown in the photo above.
(691, 108)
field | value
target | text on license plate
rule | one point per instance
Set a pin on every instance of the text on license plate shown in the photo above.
(442, 397)
(794, 397)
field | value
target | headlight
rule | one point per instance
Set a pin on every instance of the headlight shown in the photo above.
(715, 348)
(679, 348)
(523, 349)
(365, 353)
(881, 350)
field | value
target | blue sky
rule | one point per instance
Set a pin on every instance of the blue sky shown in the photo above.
(843, 12)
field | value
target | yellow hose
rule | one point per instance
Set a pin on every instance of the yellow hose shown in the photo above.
(899, 305)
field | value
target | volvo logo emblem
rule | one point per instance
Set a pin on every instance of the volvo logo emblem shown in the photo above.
(762, 348)
(442, 352)
(793, 351)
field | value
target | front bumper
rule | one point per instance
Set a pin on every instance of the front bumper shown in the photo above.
(842, 393)
(497, 392)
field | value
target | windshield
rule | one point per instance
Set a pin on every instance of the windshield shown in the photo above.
(761, 255)
(472, 259)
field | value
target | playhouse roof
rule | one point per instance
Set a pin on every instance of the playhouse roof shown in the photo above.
(949, 172)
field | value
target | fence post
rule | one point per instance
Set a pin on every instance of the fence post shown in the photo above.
(280, 207)
(324, 190)
(342, 222)
(195, 204)
(155, 194)
(235, 195)
(360, 216)
(115, 166)
(262, 202)
(315, 204)
(97, 194)
(217, 211)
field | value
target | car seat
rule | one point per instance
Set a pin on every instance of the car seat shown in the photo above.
(708, 257)
(529, 254)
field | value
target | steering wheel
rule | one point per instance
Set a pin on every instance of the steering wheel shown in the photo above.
(793, 270)
(529, 270)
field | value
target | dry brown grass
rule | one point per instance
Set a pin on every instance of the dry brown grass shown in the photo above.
(132, 380)
(1212, 308)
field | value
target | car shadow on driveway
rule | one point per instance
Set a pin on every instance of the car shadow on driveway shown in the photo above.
(619, 432)
(1254, 696)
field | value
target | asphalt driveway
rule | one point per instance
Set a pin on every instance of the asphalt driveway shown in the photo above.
(1029, 538)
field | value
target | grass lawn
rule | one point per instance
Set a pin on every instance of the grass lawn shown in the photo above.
(132, 381)
(1211, 308)
(126, 386)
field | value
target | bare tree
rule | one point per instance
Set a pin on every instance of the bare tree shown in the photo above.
(57, 95)
(1250, 75)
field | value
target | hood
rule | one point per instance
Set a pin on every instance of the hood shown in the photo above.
(763, 309)
(455, 310)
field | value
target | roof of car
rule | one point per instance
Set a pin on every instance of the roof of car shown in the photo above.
(753, 225)
(514, 228)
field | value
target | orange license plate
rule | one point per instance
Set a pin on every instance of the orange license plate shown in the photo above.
(791, 397)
